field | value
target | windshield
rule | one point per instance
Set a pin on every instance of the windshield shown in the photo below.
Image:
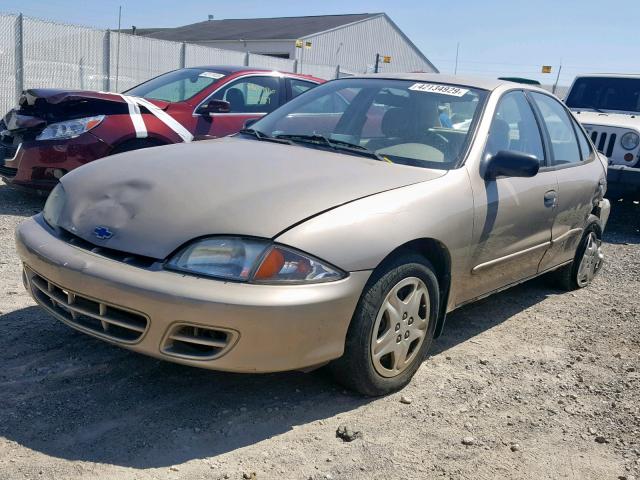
(400, 121)
(177, 86)
(605, 93)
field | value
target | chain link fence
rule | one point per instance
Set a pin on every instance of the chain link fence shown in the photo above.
(8, 87)
(37, 53)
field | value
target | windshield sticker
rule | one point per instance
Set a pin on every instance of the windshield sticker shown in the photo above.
(441, 89)
(213, 75)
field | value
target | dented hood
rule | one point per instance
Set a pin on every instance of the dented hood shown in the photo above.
(155, 200)
(55, 96)
(39, 106)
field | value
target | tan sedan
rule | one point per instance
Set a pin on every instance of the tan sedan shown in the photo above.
(341, 228)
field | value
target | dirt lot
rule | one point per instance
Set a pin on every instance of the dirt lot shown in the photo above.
(543, 384)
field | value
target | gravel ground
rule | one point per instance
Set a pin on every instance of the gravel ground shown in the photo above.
(531, 383)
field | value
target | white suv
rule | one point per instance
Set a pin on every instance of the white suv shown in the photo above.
(608, 106)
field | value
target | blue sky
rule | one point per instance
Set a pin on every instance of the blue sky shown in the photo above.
(497, 37)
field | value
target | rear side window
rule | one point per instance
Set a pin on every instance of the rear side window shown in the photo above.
(583, 143)
(559, 125)
(515, 128)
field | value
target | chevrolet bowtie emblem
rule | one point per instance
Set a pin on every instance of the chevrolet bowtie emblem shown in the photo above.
(103, 233)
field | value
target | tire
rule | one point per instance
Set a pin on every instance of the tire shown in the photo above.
(571, 277)
(378, 373)
(133, 145)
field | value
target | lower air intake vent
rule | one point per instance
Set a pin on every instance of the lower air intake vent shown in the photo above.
(93, 316)
(197, 342)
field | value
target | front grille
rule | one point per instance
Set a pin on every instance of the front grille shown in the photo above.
(7, 172)
(117, 255)
(101, 319)
(604, 142)
(197, 342)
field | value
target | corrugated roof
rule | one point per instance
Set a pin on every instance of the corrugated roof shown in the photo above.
(281, 28)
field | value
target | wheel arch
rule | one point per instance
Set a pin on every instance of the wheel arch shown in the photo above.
(124, 144)
(437, 253)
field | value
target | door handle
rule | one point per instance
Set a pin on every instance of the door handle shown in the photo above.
(550, 198)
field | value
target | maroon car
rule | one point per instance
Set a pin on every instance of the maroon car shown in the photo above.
(54, 131)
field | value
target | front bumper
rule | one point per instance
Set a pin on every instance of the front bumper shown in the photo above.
(620, 174)
(36, 163)
(623, 182)
(271, 328)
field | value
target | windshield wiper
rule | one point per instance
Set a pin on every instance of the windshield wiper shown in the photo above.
(340, 145)
(263, 136)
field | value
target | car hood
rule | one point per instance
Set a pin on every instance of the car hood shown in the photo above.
(609, 119)
(39, 106)
(154, 200)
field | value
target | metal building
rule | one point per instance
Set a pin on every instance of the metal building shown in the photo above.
(352, 41)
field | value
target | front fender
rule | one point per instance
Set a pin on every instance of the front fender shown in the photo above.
(359, 235)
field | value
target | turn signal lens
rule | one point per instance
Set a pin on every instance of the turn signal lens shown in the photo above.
(271, 265)
(282, 265)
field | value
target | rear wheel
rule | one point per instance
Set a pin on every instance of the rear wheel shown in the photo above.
(392, 328)
(585, 265)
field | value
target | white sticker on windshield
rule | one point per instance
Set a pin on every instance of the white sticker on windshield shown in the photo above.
(441, 89)
(214, 75)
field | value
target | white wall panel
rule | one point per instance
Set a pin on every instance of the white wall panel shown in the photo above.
(355, 47)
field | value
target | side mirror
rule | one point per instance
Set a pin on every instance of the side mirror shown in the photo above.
(250, 122)
(214, 106)
(507, 163)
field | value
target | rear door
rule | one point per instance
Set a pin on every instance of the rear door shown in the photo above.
(250, 96)
(579, 173)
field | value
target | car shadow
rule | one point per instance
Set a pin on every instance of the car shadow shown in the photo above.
(20, 203)
(71, 396)
(624, 223)
(469, 321)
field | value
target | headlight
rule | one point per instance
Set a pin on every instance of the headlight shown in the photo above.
(69, 128)
(630, 140)
(54, 205)
(251, 260)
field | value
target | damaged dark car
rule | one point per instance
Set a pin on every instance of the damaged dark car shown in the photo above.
(54, 131)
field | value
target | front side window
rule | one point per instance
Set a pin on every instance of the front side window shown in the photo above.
(514, 127)
(399, 120)
(177, 86)
(560, 128)
(251, 94)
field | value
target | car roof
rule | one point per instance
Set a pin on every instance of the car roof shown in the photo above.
(611, 75)
(228, 69)
(474, 82)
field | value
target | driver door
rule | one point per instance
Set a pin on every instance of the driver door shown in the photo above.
(512, 216)
(249, 97)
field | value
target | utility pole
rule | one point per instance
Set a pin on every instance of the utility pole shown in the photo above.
(375, 69)
(455, 70)
(555, 85)
(118, 46)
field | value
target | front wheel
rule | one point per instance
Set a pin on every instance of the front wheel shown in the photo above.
(392, 328)
(585, 265)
